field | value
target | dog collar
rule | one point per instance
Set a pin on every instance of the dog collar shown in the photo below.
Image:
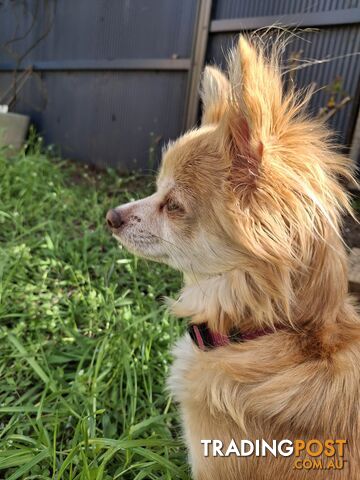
(206, 339)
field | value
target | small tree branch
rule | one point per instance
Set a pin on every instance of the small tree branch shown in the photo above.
(327, 114)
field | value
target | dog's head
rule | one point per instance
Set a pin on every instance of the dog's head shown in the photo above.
(254, 188)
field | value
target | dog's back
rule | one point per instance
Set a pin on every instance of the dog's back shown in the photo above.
(278, 387)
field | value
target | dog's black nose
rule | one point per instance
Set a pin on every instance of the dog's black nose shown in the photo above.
(114, 219)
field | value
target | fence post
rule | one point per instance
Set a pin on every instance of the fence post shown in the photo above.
(201, 33)
(355, 142)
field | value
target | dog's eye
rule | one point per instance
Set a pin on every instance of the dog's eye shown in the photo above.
(172, 206)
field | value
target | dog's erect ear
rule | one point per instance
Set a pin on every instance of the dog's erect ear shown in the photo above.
(214, 92)
(254, 105)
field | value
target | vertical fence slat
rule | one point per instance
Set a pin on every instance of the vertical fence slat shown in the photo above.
(198, 59)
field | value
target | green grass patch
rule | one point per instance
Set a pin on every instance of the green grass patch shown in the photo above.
(85, 338)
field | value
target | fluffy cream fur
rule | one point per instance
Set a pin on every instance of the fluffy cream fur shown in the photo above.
(248, 206)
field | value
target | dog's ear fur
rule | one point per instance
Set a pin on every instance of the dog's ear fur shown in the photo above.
(254, 104)
(214, 91)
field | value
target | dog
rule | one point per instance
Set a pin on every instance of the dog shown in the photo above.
(248, 206)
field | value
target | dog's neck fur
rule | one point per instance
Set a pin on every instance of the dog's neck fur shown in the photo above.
(275, 296)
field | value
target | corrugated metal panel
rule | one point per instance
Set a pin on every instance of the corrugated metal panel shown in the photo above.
(102, 29)
(100, 110)
(108, 119)
(340, 44)
(259, 8)
(105, 113)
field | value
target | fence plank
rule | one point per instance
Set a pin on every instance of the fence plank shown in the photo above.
(198, 59)
(105, 65)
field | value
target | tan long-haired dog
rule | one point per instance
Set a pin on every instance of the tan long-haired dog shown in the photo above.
(248, 206)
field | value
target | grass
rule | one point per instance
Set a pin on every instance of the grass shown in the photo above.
(85, 339)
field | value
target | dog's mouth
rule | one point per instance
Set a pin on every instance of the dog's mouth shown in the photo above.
(140, 245)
